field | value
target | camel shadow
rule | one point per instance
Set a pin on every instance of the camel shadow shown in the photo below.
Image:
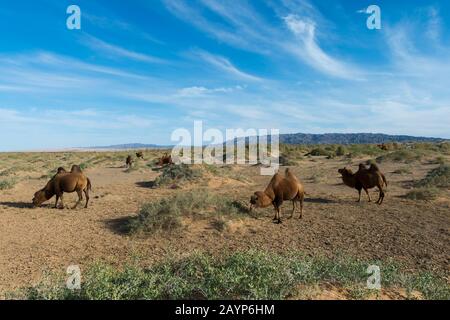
(146, 184)
(120, 226)
(319, 200)
(19, 205)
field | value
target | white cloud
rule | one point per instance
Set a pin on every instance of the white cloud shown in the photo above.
(224, 64)
(310, 52)
(113, 50)
(201, 91)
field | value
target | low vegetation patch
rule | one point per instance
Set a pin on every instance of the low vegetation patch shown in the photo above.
(406, 156)
(239, 275)
(430, 187)
(422, 194)
(177, 174)
(7, 184)
(166, 214)
(402, 171)
(438, 177)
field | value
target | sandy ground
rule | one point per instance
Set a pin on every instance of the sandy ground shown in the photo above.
(33, 241)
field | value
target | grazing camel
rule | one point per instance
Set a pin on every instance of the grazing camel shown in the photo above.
(129, 161)
(64, 182)
(365, 179)
(140, 155)
(165, 159)
(279, 189)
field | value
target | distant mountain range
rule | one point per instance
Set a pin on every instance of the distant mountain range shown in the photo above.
(350, 138)
(131, 146)
(306, 138)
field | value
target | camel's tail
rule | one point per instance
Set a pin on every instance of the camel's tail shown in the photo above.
(384, 179)
(89, 185)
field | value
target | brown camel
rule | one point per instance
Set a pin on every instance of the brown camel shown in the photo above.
(279, 189)
(365, 179)
(64, 182)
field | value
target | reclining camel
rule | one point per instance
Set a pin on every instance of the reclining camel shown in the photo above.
(365, 179)
(280, 188)
(165, 159)
(64, 182)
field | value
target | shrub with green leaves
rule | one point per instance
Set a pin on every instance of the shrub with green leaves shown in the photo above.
(422, 194)
(177, 174)
(406, 156)
(438, 177)
(340, 151)
(240, 275)
(166, 214)
(7, 184)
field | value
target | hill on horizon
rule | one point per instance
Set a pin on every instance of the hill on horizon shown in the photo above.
(307, 138)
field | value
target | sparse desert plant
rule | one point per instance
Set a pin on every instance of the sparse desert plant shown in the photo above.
(7, 184)
(340, 151)
(286, 160)
(402, 171)
(219, 223)
(422, 194)
(84, 165)
(239, 275)
(177, 174)
(406, 156)
(318, 177)
(166, 214)
(438, 178)
(319, 152)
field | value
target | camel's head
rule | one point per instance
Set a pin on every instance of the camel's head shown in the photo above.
(39, 198)
(259, 200)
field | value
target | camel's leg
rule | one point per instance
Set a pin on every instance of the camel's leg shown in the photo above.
(381, 197)
(278, 202)
(302, 198)
(86, 192)
(61, 206)
(80, 198)
(275, 208)
(293, 209)
(359, 193)
(368, 195)
(56, 202)
(278, 215)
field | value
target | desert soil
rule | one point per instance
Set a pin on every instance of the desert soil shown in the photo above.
(35, 241)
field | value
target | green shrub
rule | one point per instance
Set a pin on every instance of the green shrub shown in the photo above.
(177, 174)
(438, 177)
(239, 275)
(166, 214)
(340, 151)
(319, 152)
(7, 184)
(402, 171)
(423, 194)
(406, 156)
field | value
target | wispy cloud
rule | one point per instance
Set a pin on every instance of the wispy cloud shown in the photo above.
(224, 64)
(198, 91)
(117, 51)
(243, 28)
(311, 53)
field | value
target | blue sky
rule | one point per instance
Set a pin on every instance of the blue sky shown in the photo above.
(137, 70)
